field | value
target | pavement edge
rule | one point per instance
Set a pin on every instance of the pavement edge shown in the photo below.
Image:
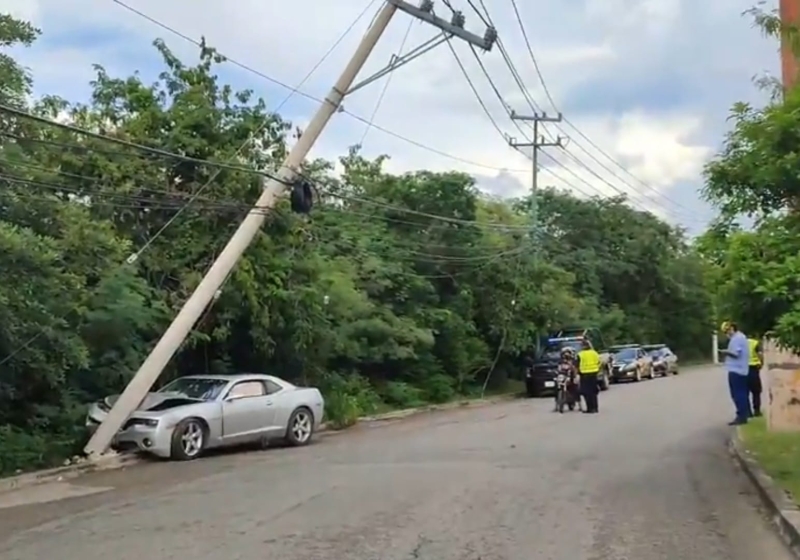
(783, 512)
(122, 460)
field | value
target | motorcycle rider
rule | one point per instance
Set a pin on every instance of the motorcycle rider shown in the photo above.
(569, 366)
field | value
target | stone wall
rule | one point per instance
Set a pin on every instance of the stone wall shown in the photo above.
(781, 378)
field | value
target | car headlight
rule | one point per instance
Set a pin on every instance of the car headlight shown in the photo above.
(150, 423)
(630, 367)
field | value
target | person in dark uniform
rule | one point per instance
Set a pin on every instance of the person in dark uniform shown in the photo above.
(588, 362)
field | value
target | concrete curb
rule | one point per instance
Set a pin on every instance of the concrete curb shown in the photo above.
(122, 460)
(107, 462)
(783, 511)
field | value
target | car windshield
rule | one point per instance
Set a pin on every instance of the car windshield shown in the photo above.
(625, 355)
(553, 349)
(202, 388)
(656, 353)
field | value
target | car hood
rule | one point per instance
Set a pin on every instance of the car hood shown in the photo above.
(157, 401)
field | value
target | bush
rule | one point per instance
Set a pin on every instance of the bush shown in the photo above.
(24, 451)
(438, 388)
(400, 394)
(347, 398)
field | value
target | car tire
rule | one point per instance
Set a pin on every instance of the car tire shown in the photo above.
(300, 428)
(189, 439)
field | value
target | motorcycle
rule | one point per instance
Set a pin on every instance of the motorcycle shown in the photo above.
(566, 393)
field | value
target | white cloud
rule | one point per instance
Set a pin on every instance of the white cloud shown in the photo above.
(649, 81)
(23, 9)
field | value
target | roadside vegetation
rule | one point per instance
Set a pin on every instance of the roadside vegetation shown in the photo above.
(777, 452)
(395, 291)
(754, 247)
(756, 269)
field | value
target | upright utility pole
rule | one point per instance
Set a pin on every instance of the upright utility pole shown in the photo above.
(537, 143)
(182, 325)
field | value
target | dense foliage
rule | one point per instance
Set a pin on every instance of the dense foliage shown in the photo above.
(396, 290)
(756, 270)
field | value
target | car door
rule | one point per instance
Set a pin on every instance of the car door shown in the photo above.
(247, 411)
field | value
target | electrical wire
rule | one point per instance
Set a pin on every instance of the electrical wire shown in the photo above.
(164, 153)
(149, 242)
(533, 57)
(481, 102)
(535, 107)
(355, 116)
(386, 84)
(535, 62)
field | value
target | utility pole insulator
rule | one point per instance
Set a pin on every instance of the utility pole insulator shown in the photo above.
(458, 20)
(490, 37)
(426, 6)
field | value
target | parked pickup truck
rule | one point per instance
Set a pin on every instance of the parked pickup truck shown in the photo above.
(540, 374)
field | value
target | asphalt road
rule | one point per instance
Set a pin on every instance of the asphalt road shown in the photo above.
(649, 478)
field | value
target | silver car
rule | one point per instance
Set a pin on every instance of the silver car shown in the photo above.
(200, 412)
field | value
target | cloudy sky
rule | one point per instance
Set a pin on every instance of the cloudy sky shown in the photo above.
(649, 82)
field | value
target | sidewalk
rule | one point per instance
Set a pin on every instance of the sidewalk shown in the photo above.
(772, 462)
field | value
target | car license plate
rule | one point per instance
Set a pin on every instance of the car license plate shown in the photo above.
(549, 384)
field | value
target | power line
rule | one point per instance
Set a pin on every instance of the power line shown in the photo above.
(535, 107)
(386, 84)
(313, 98)
(149, 241)
(530, 51)
(166, 154)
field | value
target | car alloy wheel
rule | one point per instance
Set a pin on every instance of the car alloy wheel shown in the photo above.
(188, 439)
(301, 427)
(192, 439)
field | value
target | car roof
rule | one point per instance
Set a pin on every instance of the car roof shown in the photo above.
(624, 346)
(234, 377)
(654, 346)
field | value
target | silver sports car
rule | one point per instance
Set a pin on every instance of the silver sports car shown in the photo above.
(201, 412)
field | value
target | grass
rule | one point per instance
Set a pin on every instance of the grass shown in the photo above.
(777, 452)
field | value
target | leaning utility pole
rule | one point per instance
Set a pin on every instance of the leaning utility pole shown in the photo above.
(183, 323)
(538, 142)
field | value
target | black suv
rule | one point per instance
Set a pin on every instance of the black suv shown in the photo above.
(541, 373)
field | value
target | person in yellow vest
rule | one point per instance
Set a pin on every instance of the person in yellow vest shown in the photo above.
(754, 374)
(588, 362)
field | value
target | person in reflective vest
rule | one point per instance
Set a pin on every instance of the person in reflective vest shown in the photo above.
(589, 369)
(754, 374)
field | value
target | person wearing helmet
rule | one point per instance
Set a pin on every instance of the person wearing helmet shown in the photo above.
(569, 363)
(737, 363)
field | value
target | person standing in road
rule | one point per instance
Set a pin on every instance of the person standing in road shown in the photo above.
(589, 367)
(737, 359)
(754, 374)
